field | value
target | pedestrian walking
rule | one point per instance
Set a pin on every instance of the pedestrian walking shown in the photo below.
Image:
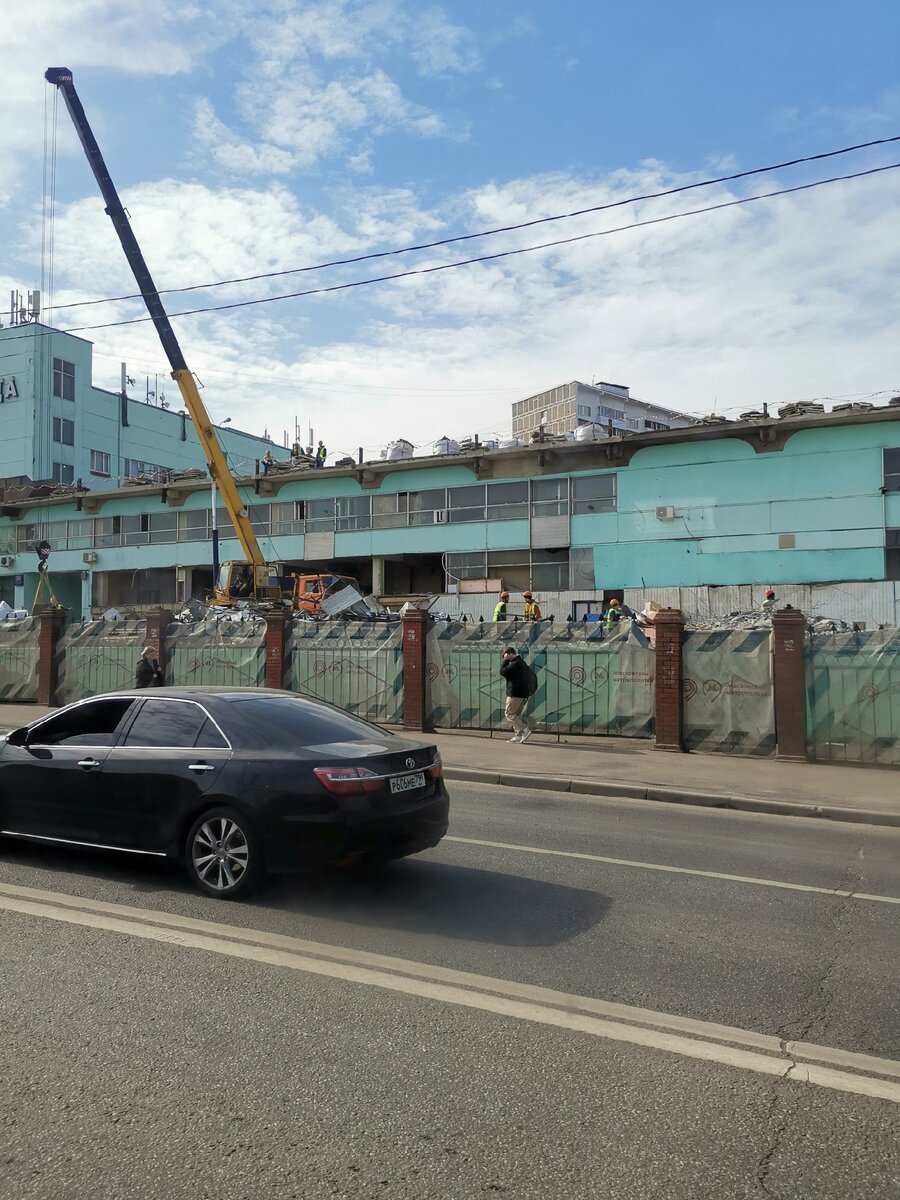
(148, 672)
(532, 609)
(500, 607)
(520, 686)
(321, 454)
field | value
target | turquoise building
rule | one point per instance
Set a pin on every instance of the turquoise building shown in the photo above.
(804, 500)
(56, 425)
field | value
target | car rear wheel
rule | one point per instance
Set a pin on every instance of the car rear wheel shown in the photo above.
(223, 855)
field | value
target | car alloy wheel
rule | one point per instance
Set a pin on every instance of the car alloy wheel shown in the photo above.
(221, 853)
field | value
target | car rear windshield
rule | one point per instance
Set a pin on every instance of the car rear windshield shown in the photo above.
(289, 721)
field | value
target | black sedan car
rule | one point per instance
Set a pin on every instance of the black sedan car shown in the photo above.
(236, 783)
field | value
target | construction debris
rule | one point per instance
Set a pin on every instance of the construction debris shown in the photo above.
(753, 619)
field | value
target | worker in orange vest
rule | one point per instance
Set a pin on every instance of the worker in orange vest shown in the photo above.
(532, 609)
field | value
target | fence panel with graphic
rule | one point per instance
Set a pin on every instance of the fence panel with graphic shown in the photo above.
(19, 641)
(223, 652)
(97, 656)
(853, 690)
(729, 705)
(357, 665)
(588, 682)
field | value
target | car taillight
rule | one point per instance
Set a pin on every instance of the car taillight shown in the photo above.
(436, 770)
(349, 781)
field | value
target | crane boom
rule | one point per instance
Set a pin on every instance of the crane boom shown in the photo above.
(217, 463)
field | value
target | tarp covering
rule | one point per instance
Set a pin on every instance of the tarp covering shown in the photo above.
(853, 690)
(729, 705)
(588, 682)
(226, 652)
(19, 660)
(97, 656)
(357, 665)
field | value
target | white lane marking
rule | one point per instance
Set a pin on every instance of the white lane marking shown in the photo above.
(574, 1013)
(645, 866)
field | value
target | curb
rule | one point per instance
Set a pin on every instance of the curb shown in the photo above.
(638, 791)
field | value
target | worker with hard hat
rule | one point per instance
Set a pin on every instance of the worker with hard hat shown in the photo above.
(500, 608)
(613, 615)
(767, 607)
(532, 609)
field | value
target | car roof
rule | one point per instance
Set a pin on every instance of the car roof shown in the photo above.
(195, 692)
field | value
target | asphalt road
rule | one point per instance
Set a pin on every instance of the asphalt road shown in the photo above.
(449, 1027)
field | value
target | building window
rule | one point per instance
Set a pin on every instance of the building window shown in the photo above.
(63, 431)
(80, 534)
(288, 518)
(892, 470)
(584, 410)
(107, 531)
(507, 501)
(654, 425)
(612, 414)
(594, 494)
(353, 512)
(519, 570)
(137, 468)
(466, 503)
(136, 529)
(99, 462)
(550, 570)
(163, 527)
(549, 497)
(390, 511)
(63, 379)
(63, 473)
(427, 507)
(892, 554)
(319, 516)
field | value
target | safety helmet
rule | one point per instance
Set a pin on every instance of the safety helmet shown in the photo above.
(504, 595)
(527, 595)
(614, 603)
(770, 595)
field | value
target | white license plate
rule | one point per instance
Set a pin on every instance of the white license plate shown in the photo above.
(407, 783)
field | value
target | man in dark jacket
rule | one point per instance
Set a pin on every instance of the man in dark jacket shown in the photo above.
(518, 678)
(148, 672)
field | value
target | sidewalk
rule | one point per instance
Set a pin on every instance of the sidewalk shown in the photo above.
(631, 768)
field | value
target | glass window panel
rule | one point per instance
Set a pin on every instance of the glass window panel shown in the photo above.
(107, 531)
(193, 525)
(892, 469)
(287, 517)
(353, 512)
(320, 515)
(466, 566)
(389, 510)
(507, 501)
(259, 517)
(80, 534)
(167, 723)
(594, 493)
(136, 530)
(163, 527)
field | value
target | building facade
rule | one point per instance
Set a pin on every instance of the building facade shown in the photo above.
(609, 404)
(801, 500)
(56, 425)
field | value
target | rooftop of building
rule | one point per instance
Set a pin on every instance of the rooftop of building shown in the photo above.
(550, 456)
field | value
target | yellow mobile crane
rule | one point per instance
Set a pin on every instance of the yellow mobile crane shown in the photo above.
(253, 579)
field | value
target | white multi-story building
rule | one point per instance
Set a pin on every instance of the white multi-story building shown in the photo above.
(574, 403)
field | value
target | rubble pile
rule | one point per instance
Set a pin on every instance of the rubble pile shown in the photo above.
(753, 619)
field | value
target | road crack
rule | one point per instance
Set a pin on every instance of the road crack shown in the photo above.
(817, 1004)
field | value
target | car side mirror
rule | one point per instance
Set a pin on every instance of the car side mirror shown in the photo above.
(17, 737)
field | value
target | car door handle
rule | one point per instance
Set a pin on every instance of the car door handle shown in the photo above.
(199, 767)
(88, 763)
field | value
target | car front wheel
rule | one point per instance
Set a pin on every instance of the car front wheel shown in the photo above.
(223, 855)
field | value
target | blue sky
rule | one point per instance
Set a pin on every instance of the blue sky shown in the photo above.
(261, 135)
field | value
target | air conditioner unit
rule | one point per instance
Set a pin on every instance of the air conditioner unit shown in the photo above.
(89, 556)
(441, 516)
(665, 512)
(6, 560)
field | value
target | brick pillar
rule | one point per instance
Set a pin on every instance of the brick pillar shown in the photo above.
(158, 621)
(669, 625)
(277, 624)
(52, 620)
(414, 714)
(789, 679)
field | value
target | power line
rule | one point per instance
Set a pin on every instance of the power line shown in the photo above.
(340, 287)
(466, 237)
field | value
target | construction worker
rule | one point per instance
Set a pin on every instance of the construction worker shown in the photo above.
(613, 615)
(321, 454)
(532, 609)
(500, 609)
(768, 605)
